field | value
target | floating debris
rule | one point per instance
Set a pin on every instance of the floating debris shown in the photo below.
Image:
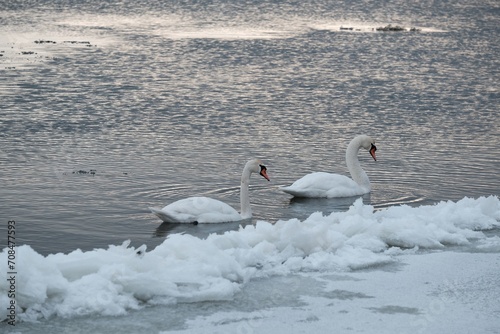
(86, 43)
(91, 172)
(40, 41)
(76, 42)
(28, 53)
(390, 28)
(397, 28)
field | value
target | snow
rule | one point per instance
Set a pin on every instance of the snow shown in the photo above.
(442, 292)
(348, 254)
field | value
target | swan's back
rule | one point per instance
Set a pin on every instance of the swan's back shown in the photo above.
(197, 209)
(320, 184)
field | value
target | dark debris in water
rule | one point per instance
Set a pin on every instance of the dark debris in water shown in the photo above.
(86, 43)
(90, 172)
(387, 28)
(41, 41)
(396, 28)
(76, 42)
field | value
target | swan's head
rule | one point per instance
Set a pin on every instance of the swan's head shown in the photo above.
(369, 144)
(256, 166)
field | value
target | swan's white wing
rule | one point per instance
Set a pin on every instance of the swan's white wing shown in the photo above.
(322, 184)
(197, 209)
(165, 216)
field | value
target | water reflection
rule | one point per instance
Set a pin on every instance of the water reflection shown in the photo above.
(198, 230)
(172, 118)
(303, 207)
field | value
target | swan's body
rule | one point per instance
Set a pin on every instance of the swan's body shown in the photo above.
(321, 184)
(197, 209)
(209, 210)
(328, 185)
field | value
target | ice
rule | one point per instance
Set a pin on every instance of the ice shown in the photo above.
(442, 292)
(185, 268)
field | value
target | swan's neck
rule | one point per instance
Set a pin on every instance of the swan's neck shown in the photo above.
(246, 211)
(357, 173)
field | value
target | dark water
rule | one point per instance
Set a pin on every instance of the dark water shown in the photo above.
(147, 102)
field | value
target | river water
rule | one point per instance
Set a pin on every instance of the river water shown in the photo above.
(108, 108)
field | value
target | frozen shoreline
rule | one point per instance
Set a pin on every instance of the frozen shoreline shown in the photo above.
(362, 257)
(442, 292)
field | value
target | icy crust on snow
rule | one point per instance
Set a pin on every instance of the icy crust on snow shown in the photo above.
(185, 268)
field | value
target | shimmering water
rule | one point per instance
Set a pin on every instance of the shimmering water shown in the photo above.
(127, 105)
(168, 100)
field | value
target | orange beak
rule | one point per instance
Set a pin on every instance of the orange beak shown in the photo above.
(263, 172)
(372, 152)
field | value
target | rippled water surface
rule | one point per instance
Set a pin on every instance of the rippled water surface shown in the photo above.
(118, 108)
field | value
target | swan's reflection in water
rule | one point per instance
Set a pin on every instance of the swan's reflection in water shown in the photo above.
(303, 207)
(198, 230)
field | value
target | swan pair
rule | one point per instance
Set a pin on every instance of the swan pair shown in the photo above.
(318, 184)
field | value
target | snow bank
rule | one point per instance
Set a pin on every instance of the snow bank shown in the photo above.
(185, 268)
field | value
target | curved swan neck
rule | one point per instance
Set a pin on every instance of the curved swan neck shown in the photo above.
(246, 211)
(353, 165)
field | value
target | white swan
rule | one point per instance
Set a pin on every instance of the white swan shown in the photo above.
(328, 185)
(209, 210)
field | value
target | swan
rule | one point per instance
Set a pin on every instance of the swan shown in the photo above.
(328, 185)
(209, 210)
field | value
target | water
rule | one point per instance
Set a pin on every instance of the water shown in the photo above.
(142, 103)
